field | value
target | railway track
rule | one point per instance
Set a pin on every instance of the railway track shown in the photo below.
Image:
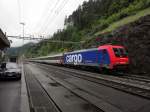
(98, 96)
(39, 100)
(127, 84)
(141, 79)
(41, 103)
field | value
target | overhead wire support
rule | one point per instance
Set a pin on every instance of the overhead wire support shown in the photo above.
(27, 38)
(46, 39)
(66, 42)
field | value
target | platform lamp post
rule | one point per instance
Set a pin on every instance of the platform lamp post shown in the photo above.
(23, 24)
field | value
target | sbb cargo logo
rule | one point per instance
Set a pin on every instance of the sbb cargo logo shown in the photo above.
(74, 58)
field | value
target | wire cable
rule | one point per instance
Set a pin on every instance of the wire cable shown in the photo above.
(56, 14)
(50, 14)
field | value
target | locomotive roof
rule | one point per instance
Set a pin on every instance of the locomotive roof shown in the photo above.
(60, 54)
(100, 47)
(109, 46)
(83, 50)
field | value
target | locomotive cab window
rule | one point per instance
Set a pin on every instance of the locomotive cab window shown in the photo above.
(120, 52)
(104, 51)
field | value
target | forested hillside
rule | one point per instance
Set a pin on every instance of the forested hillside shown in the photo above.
(15, 51)
(87, 22)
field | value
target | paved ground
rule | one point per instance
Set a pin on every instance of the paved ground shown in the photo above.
(10, 96)
(51, 90)
(48, 96)
(56, 84)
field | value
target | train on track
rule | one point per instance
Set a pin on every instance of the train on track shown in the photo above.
(110, 57)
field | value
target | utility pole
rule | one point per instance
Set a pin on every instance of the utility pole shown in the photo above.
(23, 24)
(63, 45)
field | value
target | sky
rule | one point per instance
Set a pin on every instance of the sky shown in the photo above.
(41, 17)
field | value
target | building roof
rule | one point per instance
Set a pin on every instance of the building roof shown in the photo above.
(4, 42)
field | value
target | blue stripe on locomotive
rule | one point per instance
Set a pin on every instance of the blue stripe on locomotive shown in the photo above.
(89, 57)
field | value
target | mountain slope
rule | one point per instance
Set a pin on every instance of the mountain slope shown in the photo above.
(15, 51)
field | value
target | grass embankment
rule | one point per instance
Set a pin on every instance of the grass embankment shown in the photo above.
(124, 21)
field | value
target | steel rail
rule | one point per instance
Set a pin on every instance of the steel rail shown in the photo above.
(126, 86)
(31, 103)
(69, 86)
(69, 89)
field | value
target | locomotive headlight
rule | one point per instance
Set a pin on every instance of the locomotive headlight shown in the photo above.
(121, 63)
(117, 63)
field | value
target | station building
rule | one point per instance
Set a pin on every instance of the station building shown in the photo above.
(4, 44)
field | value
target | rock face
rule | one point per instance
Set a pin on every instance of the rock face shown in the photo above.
(136, 38)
